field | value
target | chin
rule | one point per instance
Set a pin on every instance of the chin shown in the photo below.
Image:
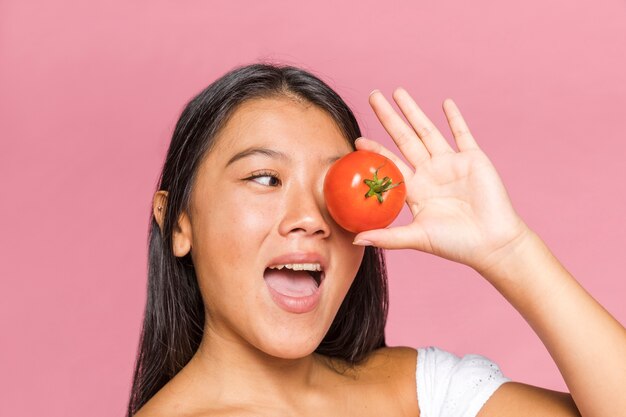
(289, 353)
(290, 347)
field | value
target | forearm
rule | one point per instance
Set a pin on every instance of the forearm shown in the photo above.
(587, 344)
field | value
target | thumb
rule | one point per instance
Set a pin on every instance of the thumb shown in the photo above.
(401, 237)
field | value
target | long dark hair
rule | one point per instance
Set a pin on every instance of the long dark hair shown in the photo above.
(174, 314)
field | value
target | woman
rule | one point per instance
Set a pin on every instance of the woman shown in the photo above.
(234, 326)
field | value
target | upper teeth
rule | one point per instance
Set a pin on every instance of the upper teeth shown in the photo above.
(299, 267)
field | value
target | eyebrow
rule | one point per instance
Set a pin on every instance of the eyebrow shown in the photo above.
(270, 153)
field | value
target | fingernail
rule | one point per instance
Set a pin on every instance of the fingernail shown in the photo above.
(373, 91)
(362, 242)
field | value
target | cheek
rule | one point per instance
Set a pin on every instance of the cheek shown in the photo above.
(227, 238)
(255, 220)
(344, 238)
(230, 230)
(247, 222)
(354, 257)
(351, 256)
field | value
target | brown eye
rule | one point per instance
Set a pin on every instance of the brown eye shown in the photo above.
(269, 179)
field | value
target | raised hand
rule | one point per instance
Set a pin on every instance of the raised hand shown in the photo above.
(461, 210)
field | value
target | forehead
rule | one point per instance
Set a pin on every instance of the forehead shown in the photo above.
(280, 121)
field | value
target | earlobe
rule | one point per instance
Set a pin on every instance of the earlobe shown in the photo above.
(181, 236)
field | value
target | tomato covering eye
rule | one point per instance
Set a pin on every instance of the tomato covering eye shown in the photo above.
(364, 190)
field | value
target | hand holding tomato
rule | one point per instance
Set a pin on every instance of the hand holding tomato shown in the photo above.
(461, 210)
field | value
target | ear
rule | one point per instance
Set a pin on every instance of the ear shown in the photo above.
(181, 235)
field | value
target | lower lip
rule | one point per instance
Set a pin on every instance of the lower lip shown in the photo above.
(297, 305)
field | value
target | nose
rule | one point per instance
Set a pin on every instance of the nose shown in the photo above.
(304, 212)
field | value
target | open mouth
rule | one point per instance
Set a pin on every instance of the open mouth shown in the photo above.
(293, 283)
(317, 276)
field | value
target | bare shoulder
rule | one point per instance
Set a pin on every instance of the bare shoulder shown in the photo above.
(516, 399)
(156, 412)
(157, 406)
(394, 368)
(392, 362)
(169, 401)
(166, 406)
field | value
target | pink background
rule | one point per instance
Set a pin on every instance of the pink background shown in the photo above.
(90, 93)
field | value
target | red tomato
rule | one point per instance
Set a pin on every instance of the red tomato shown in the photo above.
(364, 190)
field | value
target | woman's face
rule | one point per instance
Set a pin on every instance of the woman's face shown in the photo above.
(241, 225)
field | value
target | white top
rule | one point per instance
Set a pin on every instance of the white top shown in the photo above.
(448, 385)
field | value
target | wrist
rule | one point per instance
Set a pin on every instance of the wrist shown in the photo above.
(513, 256)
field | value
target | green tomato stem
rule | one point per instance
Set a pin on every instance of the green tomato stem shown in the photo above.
(379, 186)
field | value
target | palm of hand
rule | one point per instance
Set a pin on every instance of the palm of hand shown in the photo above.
(461, 210)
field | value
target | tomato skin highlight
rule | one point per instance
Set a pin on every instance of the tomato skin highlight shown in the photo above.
(345, 191)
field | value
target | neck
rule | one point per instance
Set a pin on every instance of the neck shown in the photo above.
(239, 372)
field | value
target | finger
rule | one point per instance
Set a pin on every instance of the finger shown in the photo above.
(370, 145)
(426, 130)
(404, 137)
(464, 139)
(400, 237)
